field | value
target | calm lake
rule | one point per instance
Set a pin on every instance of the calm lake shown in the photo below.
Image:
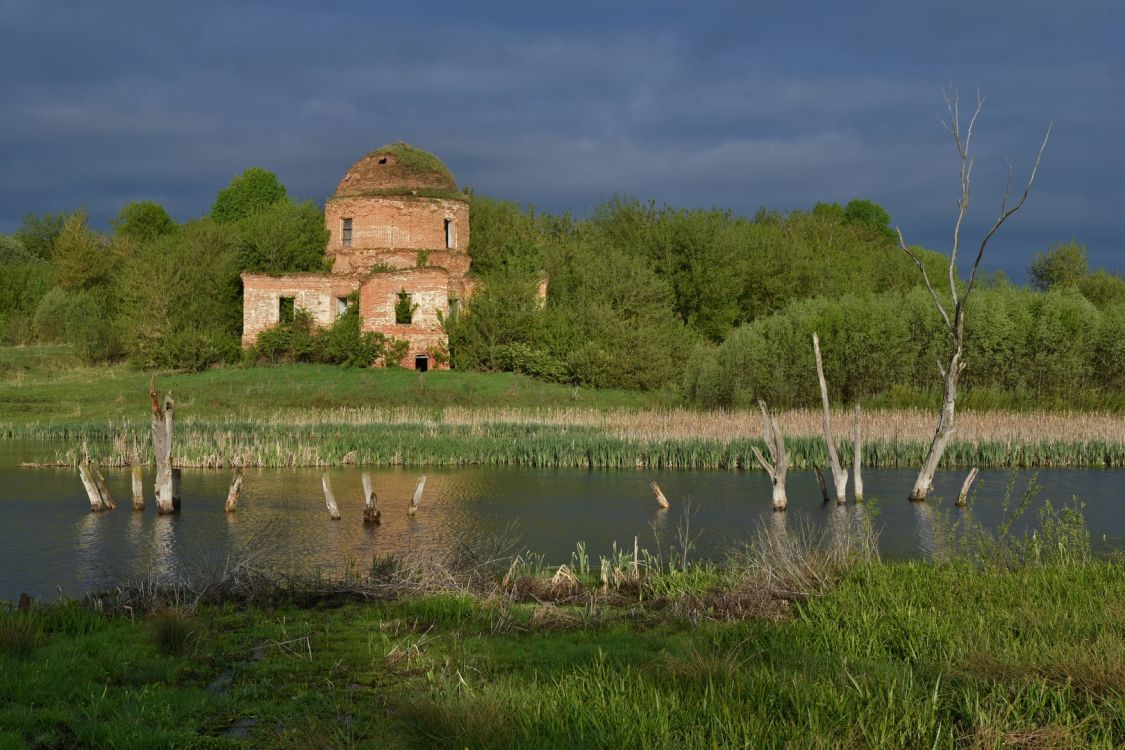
(50, 543)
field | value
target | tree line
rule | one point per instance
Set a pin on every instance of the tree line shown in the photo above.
(715, 306)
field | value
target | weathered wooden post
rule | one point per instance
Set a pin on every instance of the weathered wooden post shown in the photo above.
(138, 488)
(329, 498)
(234, 492)
(820, 482)
(660, 499)
(166, 496)
(776, 446)
(371, 514)
(963, 497)
(857, 461)
(107, 500)
(417, 495)
(839, 474)
(91, 486)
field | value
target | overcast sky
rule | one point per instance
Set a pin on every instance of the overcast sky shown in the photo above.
(737, 105)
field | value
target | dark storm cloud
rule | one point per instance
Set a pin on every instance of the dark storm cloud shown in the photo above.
(565, 105)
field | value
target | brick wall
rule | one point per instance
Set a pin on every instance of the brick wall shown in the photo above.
(316, 293)
(397, 223)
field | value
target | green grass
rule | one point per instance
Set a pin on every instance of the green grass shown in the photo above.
(48, 383)
(295, 415)
(892, 655)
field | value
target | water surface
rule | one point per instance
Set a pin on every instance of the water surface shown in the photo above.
(50, 543)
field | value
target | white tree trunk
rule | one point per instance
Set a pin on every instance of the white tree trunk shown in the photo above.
(660, 499)
(329, 498)
(371, 514)
(234, 492)
(417, 495)
(963, 497)
(776, 469)
(839, 474)
(138, 487)
(162, 449)
(91, 486)
(107, 500)
(924, 484)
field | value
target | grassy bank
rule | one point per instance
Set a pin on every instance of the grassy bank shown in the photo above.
(309, 415)
(880, 655)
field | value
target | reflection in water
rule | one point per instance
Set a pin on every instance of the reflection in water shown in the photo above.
(88, 545)
(163, 563)
(281, 521)
(926, 534)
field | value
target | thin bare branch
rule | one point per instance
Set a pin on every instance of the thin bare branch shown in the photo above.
(925, 277)
(1006, 213)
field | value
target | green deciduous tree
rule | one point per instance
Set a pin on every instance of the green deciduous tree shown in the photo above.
(143, 221)
(284, 237)
(250, 192)
(1062, 266)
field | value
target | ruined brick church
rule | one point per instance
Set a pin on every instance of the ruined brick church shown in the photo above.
(399, 237)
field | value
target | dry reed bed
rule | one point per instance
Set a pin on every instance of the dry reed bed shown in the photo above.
(682, 424)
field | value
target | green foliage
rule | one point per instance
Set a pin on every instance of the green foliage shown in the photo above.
(12, 252)
(870, 216)
(37, 234)
(404, 308)
(299, 340)
(508, 238)
(393, 352)
(143, 221)
(180, 299)
(1103, 288)
(248, 193)
(283, 237)
(83, 259)
(1062, 266)
(1045, 346)
(344, 343)
(22, 285)
(415, 159)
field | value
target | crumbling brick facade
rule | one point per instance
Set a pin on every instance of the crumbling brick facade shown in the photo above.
(397, 225)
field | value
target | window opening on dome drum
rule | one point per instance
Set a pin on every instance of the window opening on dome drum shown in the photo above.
(347, 233)
(449, 232)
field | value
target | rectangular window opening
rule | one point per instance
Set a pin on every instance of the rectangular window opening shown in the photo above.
(449, 232)
(347, 233)
(341, 305)
(285, 309)
(404, 309)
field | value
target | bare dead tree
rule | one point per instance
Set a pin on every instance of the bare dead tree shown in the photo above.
(371, 514)
(329, 498)
(955, 323)
(775, 444)
(162, 421)
(839, 474)
(660, 499)
(963, 497)
(417, 497)
(234, 492)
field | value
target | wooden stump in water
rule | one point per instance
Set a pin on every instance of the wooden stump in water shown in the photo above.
(91, 486)
(775, 444)
(820, 482)
(234, 492)
(371, 514)
(329, 498)
(963, 497)
(138, 488)
(167, 496)
(857, 445)
(417, 495)
(660, 499)
(107, 500)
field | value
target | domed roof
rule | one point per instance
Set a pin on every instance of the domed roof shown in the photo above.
(396, 169)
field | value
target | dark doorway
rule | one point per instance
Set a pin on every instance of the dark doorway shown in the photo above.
(421, 363)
